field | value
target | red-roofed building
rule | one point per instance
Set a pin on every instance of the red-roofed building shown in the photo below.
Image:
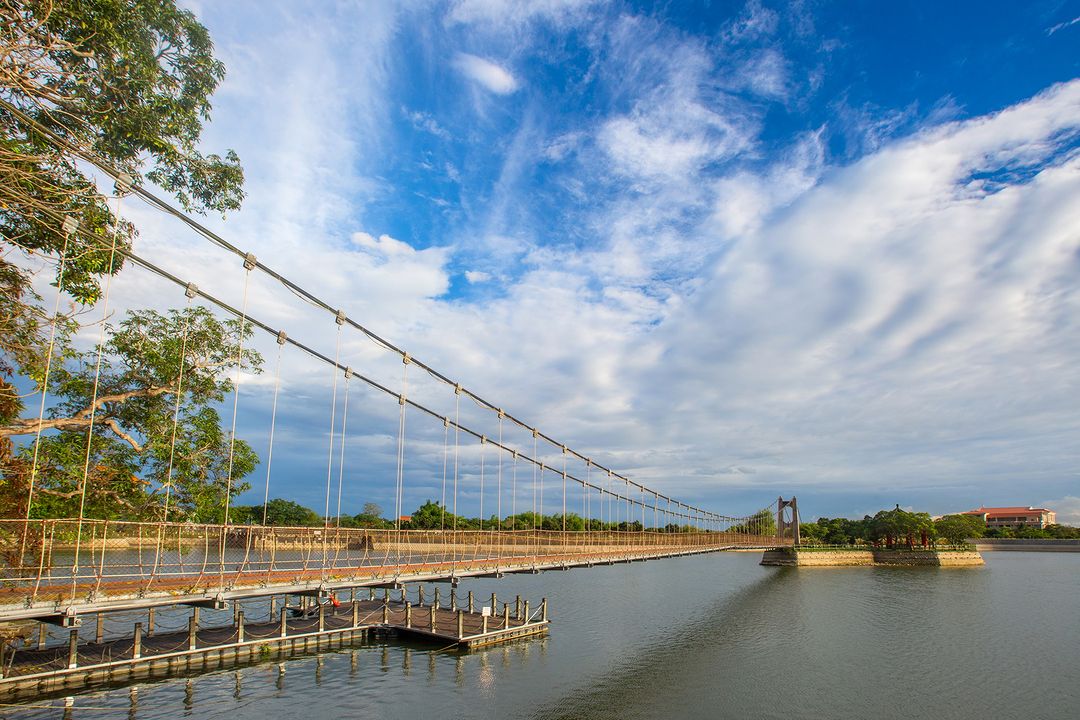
(1015, 516)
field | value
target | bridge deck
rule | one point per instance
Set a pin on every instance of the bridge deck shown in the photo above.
(126, 566)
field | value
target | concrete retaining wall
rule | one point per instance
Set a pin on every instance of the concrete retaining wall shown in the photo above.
(849, 558)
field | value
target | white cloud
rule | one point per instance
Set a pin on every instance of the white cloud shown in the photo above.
(486, 73)
(477, 276)
(1067, 509)
(516, 12)
(1063, 25)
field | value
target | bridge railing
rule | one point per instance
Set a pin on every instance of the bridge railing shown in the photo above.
(58, 559)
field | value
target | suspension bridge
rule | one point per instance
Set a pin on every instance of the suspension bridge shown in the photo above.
(549, 506)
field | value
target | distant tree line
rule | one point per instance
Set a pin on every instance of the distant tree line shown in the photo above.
(904, 528)
(433, 516)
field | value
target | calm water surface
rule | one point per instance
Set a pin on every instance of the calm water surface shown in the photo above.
(714, 636)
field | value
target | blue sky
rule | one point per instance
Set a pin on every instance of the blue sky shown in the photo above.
(735, 250)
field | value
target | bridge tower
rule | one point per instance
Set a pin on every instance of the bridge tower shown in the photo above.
(787, 527)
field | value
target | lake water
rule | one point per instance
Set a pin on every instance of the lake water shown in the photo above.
(711, 636)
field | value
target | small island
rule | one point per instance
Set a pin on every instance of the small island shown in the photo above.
(891, 538)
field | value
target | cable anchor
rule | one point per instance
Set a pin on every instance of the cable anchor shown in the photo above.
(340, 319)
(124, 183)
(281, 337)
(191, 290)
(70, 225)
(249, 261)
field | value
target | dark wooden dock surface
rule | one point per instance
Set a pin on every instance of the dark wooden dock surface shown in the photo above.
(76, 665)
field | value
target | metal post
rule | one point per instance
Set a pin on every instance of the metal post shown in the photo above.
(506, 615)
(460, 624)
(235, 612)
(195, 615)
(42, 636)
(73, 649)
(136, 647)
(420, 595)
(431, 610)
(408, 614)
(543, 609)
(150, 622)
(386, 614)
(355, 613)
(435, 602)
(239, 626)
(284, 630)
(453, 598)
(526, 612)
(517, 607)
(322, 617)
(99, 634)
(273, 606)
(483, 625)
(386, 595)
(471, 602)
(193, 626)
(494, 604)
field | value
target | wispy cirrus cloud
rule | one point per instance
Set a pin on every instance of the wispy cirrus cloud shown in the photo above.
(484, 72)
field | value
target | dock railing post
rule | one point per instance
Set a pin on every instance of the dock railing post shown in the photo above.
(408, 614)
(239, 626)
(273, 606)
(431, 610)
(460, 624)
(43, 634)
(471, 602)
(386, 596)
(322, 617)
(543, 609)
(73, 649)
(385, 614)
(150, 622)
(506, 615)
(355, 613)
(517, 607)
(435, 602)
(494, 604)
(193, 626)
(527, 612)
(371, 593)
(420, 595)
(404, 594)
(453, 599)
(284, 629)
(483, 625)
(136, 642)
(99, 634)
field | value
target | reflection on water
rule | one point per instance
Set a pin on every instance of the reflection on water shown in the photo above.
(712, 636)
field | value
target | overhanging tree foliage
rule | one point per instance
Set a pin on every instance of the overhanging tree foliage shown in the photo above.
(157, 436)
(123, 84)
(126, 81)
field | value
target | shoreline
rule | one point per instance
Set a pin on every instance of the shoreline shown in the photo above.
(788, 557)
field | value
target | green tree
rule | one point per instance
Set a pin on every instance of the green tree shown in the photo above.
(156, 432)
(124, 81)
(958, 528)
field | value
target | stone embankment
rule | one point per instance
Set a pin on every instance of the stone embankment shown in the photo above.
(848, 558)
